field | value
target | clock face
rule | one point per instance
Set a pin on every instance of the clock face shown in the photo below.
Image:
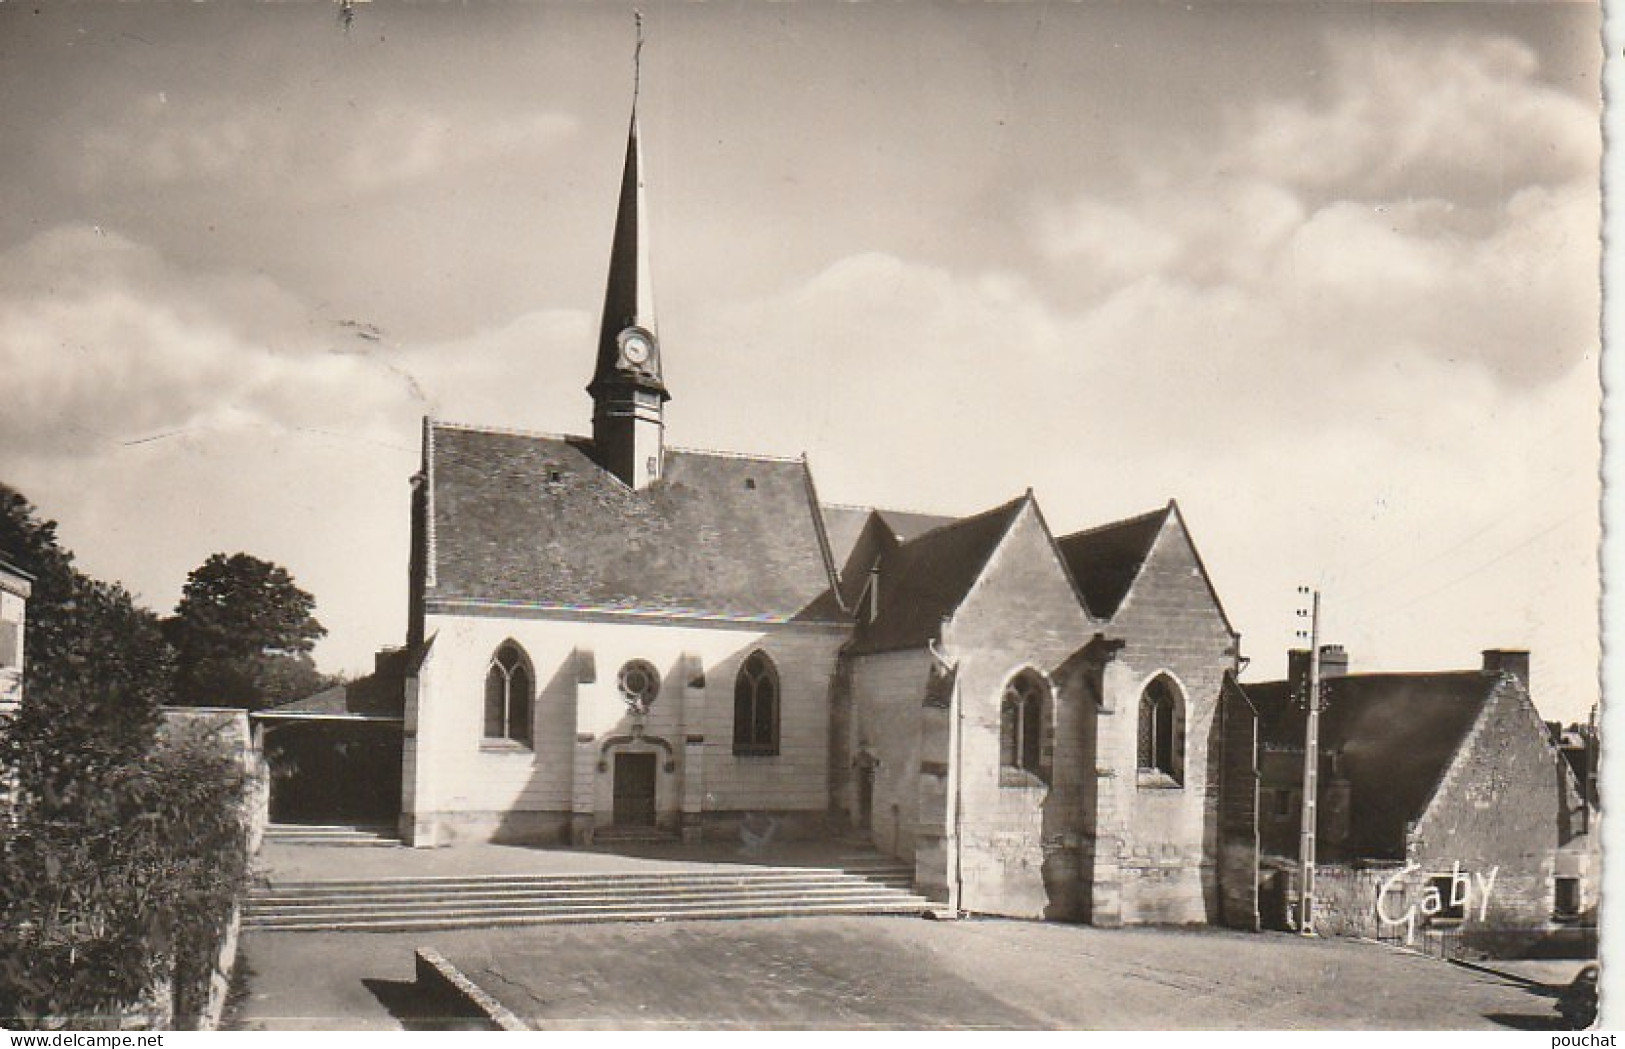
(635, 348)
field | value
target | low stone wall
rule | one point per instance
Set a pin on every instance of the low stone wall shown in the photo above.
(438, 977)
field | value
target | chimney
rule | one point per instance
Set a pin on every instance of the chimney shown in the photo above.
(1512, 661)
(1334, 662)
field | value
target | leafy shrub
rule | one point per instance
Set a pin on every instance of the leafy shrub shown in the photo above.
(122, 851)
(138, 883)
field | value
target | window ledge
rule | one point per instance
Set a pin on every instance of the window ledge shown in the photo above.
(504, 746)
(755, 752)
(1156, 779)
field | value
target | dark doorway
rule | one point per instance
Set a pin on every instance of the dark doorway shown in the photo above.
(634, 790)
(334, 771)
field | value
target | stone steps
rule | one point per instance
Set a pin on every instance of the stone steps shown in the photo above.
(338, 834)
(402, 904)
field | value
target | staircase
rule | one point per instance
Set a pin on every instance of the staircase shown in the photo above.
(870, 885)
(331, 834)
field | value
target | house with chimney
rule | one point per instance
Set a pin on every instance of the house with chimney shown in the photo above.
(1444, 807)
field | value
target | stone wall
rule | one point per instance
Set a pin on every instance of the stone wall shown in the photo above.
(1172, 627)
(1022, 836)
(1506, 804)
(888, 690)
(1238, 811)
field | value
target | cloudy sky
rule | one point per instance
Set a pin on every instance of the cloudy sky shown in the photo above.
(1325, 273)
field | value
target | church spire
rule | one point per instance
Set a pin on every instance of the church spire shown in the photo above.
(628, 390)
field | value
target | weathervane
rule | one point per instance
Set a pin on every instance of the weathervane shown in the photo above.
(637, 57)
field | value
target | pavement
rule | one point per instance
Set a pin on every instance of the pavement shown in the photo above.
(907, 973)
(843, 972)
(873, 973)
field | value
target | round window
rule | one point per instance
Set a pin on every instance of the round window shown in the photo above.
(639, 682)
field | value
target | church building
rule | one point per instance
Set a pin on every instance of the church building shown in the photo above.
(611, 635)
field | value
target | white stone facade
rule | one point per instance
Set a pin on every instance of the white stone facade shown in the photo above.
(459, 785)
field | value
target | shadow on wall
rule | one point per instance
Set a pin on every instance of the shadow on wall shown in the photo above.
(1212, 844)
(1068, 813)
(552, 760)
(664, 728)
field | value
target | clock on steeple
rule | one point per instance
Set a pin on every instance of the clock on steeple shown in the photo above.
(628, 389)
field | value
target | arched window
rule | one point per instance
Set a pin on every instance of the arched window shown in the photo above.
(1021, 724)
(1162, 731)
(507, 695)
(756, 706)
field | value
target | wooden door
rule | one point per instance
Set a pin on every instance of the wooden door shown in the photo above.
(634, 790)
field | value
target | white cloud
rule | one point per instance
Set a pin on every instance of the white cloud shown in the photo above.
(1407, 116)
(265, 148)
(154, 408)
(1436, 200)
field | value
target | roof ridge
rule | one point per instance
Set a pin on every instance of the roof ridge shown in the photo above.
(916, 513)
(1368, 674)
(508, 431)
(890, 510)
(1120, 522)
(747, 456)
(957, 522)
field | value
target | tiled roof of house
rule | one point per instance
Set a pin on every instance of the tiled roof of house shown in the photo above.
(372, 698)
(1105, 560)
(926, 578)
(1394, 734)
(529, 519)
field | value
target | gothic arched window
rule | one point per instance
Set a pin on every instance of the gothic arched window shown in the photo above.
(756, 706)
(1162, 730)
(507, 695)
(1021, 724)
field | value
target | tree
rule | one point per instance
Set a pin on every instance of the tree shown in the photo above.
(243, 632)
(122, 856)
(97, 668)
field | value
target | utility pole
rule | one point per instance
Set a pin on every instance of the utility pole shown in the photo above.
(1311, 767)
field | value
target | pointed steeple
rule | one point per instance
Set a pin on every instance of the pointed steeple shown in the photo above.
(628, 389)
(629, 292)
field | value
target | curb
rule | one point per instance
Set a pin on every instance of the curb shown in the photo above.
(1491, 971)
(434, 971)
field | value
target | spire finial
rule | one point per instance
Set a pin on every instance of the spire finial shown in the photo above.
(637, 58)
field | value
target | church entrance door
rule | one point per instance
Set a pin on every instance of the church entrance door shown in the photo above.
(634, 790)
(866, 797)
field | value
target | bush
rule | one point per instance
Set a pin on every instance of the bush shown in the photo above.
(135, 884)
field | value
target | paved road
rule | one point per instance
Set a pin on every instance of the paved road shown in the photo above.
(877, 972)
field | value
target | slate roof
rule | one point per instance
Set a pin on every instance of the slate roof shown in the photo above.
(927, 578)
(1105, 560)
(371, 698)
(844, 525)
(1396, 735)
(530, 519)
(906, 524)
(858, 535)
